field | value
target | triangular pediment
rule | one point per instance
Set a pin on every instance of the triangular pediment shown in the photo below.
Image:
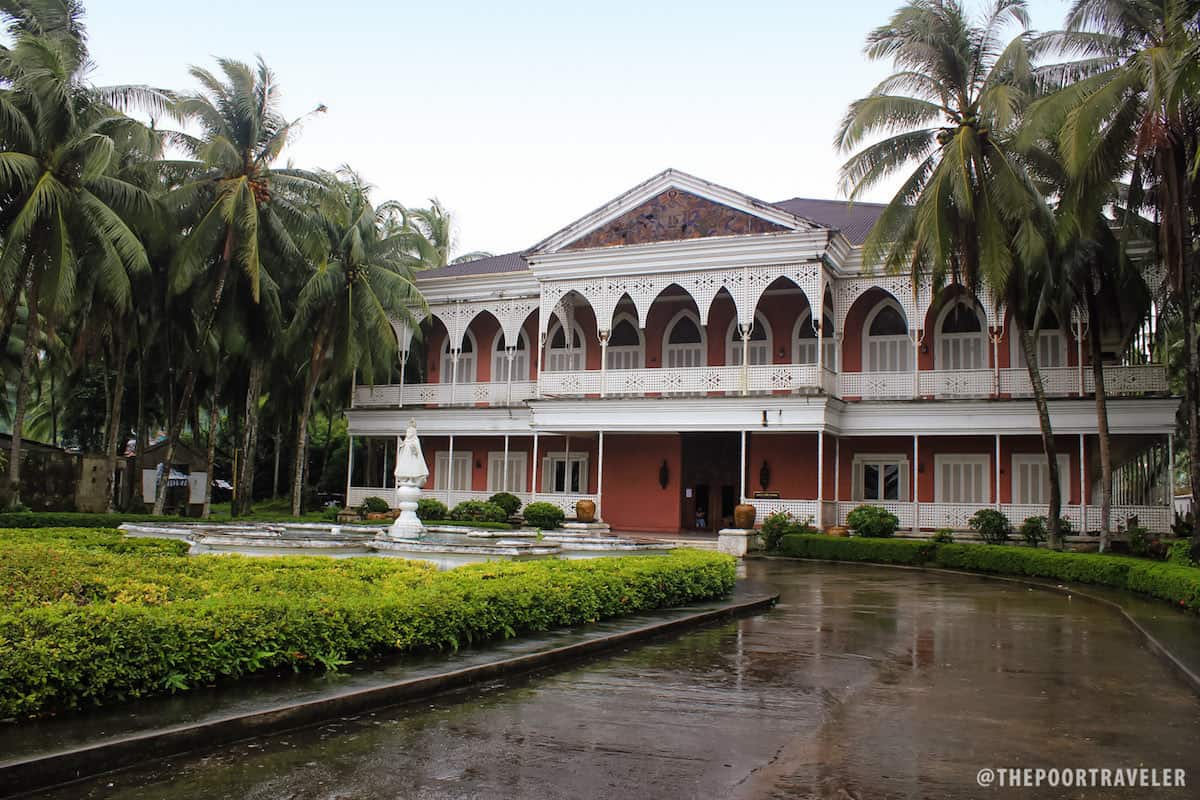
(672, 206)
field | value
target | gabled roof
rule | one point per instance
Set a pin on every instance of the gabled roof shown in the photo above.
(853, 220)
(666, 180)
(492, 265)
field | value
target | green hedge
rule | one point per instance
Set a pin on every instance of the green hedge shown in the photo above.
(856, 548)
(1179, 585)
(84, 623)
(73, 519)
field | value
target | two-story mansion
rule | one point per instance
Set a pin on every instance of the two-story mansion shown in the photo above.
(665, 356)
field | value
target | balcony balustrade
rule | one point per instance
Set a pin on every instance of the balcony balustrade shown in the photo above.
(768, 379)
(453, 497)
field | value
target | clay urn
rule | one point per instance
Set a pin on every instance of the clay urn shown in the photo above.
(585, 511)
(743, 516)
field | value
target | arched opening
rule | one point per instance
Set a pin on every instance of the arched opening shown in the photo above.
(626, 346)
(466, 361)
(760, 342)
(886, 346)
(961, 337)
(563, 354)
(684, 342)
(1051, 345)
(520, 359)
(805, 340)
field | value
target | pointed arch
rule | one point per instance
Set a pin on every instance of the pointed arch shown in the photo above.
(886, 344)
(685, 341)
(626, 343)
(762, 342)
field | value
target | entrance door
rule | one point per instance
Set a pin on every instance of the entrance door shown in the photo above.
(709, 480)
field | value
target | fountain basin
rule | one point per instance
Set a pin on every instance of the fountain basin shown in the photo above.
(446, 547)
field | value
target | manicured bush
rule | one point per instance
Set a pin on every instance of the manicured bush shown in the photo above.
(431, 508)
(991, 525)
(781, 524)
(544, 515)
(1180, 553)
(81, 625)
(478, 511)
(374, 505)
(856, 548)
(508, 501)
(1033, 531)
(872, 521)
(943, 536)
(73, 519)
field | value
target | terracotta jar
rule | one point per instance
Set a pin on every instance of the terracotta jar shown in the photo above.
(585, 511)
(743, 516)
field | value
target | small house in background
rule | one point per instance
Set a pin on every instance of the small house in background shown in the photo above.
(185, 486)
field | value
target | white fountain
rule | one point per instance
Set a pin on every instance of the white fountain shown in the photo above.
(411, 474)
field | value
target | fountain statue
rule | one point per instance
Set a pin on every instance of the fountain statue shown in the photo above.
(411, 473)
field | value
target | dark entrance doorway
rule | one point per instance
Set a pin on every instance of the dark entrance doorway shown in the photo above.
(709, 480)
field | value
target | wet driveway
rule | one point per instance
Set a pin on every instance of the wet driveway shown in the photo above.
(863, 683)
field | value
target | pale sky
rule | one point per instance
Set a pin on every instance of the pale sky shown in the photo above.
(523, 116)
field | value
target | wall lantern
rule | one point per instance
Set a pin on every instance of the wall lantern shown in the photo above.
(764, 476)
(664, 474)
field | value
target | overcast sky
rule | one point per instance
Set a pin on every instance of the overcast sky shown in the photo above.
(523, 116)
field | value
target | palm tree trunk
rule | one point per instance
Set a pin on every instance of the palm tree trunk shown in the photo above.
(114, 418)
(1097, 356)
(310, 386)
(14, 303)
(24, 381)
(249, 439)
(213, 418)
(1053, 528)
(1191, 398)
(189, 383)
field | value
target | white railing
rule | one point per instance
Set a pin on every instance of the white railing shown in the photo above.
(453, 497)
(876, 385)
(799, 509)
(1129, 380)
(903, 511)
(566, 501)
(681, 380)
(957, 383)
(444, 394)
(1156, 519)
(948, 515)
(956, 516)
(1057, 381)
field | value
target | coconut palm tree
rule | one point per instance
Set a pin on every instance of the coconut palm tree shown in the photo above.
(967, 210)
(1130, 101)
(237, 208)
(432, 238)
(65, 209)
(362, 281)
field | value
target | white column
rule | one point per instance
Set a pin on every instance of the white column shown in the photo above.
(504, 472)
(837, 480)
(453, 373)
(746, 356)
(533, 490)
(1171, 471)
(353, 386)
(449, 469)
(916, 470)
(1082, 488)
(599, 473)
(743, 473)
(603, 363)
(820, 326)
(1079, 352)
(510, 353)
(394, 463)
(996, 472)
(403, 362)
(820, 477)
(995, 337)
(916, 339)
(567, 468)
(349, 469)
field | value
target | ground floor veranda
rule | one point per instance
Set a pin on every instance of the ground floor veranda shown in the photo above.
(690, 481)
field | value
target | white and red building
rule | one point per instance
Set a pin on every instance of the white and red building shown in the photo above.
(663, 357)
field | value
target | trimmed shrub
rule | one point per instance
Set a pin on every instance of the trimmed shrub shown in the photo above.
(73, 519)
(374, 505)
(1180, 554)
(1033, 531)
(82, 626)
(943, 536)
(477, 511)
(872, 521)
(487, 526)
(508, 501)
(991, 525)
(856, 548)
(781, 524)
(544, 515)
(431, 508)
